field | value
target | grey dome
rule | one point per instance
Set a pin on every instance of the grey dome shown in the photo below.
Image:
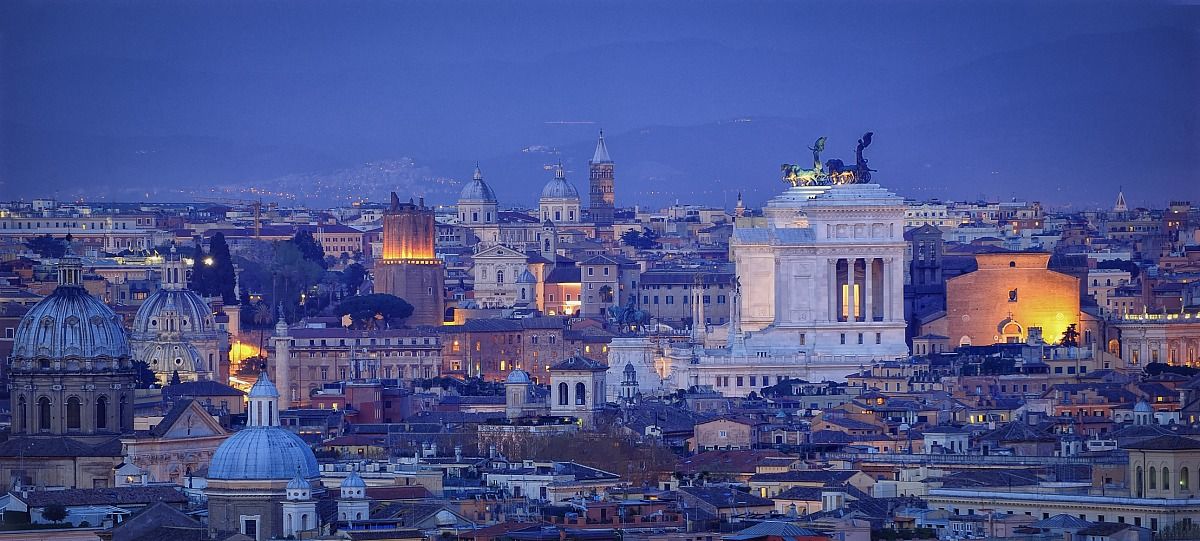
(477, 191)
(189, 312)
(263, 452)
(518, 376)
(70, 323)
(299, 483)
(168, 356)
(353, 481)
(559, 188)
(263, 388)
(1142, 407)
(526, 277)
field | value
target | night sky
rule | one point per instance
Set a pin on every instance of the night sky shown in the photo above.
(1061, 102)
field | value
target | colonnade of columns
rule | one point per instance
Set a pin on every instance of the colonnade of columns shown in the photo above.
(860, 289)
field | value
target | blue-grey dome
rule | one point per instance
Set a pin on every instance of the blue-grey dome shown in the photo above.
(518, 376)
(70, 323)
(170, 356)
(477, 191)
(263, 388)
(263, 452)
(299, 483)
(1142, 407)
(186, 311)
(526, 277)
(559, 188)
(353, 481)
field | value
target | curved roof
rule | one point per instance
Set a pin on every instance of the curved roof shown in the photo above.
(353, 481)
(70, 323)
(189, 312)
(263, 388)
(559, 188)
(1142, 407)
(518, 376)
(477, 191)
(170, 356)
(263, 453)
(299, 483)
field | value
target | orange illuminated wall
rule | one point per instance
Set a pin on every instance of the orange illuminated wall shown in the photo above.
(408, 231)
(1009, 294)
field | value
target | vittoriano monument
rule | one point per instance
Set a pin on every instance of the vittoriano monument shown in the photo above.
(833, 171)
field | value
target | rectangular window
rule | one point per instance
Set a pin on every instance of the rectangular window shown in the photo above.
(739, 381)
(878, 338)
(753, 381)
(843, 338)
(707, 299)
(591, 271)
(860, 338)
(606, 271)
(802, 338)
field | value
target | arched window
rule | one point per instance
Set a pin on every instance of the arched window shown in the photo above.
(43, 413)
(73, 413)
(121, 420)
(1166, 478)
(1183, 478)
(358, 516)
(499, 277)
(102, 412)
(22, 415)
(580, 394)
(1140, 480)
(562, 393)
(1153, 479)
(304, 522)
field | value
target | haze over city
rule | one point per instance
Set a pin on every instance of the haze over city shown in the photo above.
(1061, 102)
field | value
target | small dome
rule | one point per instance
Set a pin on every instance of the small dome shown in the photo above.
(187, 311)
(1142, 407)
(70, 323)
(263, 453)
(477, 191)
(526, 277)
(170, 356)
(518, 376)
(353, 481)
(629, 369)
(299, 483)
(559, 188)
(263, 388)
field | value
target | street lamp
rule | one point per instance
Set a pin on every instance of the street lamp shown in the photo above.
(208, 261)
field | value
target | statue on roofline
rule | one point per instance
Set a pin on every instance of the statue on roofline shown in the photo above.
(833, 171)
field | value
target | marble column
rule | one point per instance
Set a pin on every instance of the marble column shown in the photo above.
(869, 290)
(833, 291)
(851, 298)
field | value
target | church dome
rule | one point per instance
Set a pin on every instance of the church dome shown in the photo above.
(70, 323)
(526, 277)
(518, 376)
(477, 191)
(299, 483)
(1142, 407)
(169, 356)
(559, 188)
(174, 310)
(353, 481)
(263, 453)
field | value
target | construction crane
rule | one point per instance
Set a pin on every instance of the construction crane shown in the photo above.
(255, 204)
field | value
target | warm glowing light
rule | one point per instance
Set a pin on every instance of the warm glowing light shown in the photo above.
(208, 261)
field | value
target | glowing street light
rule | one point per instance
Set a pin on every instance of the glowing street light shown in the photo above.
(208, 261)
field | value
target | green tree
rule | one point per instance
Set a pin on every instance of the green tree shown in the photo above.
(55, 512)
(291, 276)
(367, 311)
(645, 239)
(1070, 337)
(146, 378)
(202, 280)
(47, 247)
(221, 271)
(353, 277)
(310, 248)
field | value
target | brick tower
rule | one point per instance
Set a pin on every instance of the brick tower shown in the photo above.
(409, 269)
(601, 183)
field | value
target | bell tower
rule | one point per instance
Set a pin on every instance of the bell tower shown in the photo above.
(600, 183)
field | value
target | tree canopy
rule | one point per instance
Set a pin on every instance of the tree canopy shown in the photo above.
(353, 277)
(310, 248)
(374, 310)
(47, 246)
(645, 239)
